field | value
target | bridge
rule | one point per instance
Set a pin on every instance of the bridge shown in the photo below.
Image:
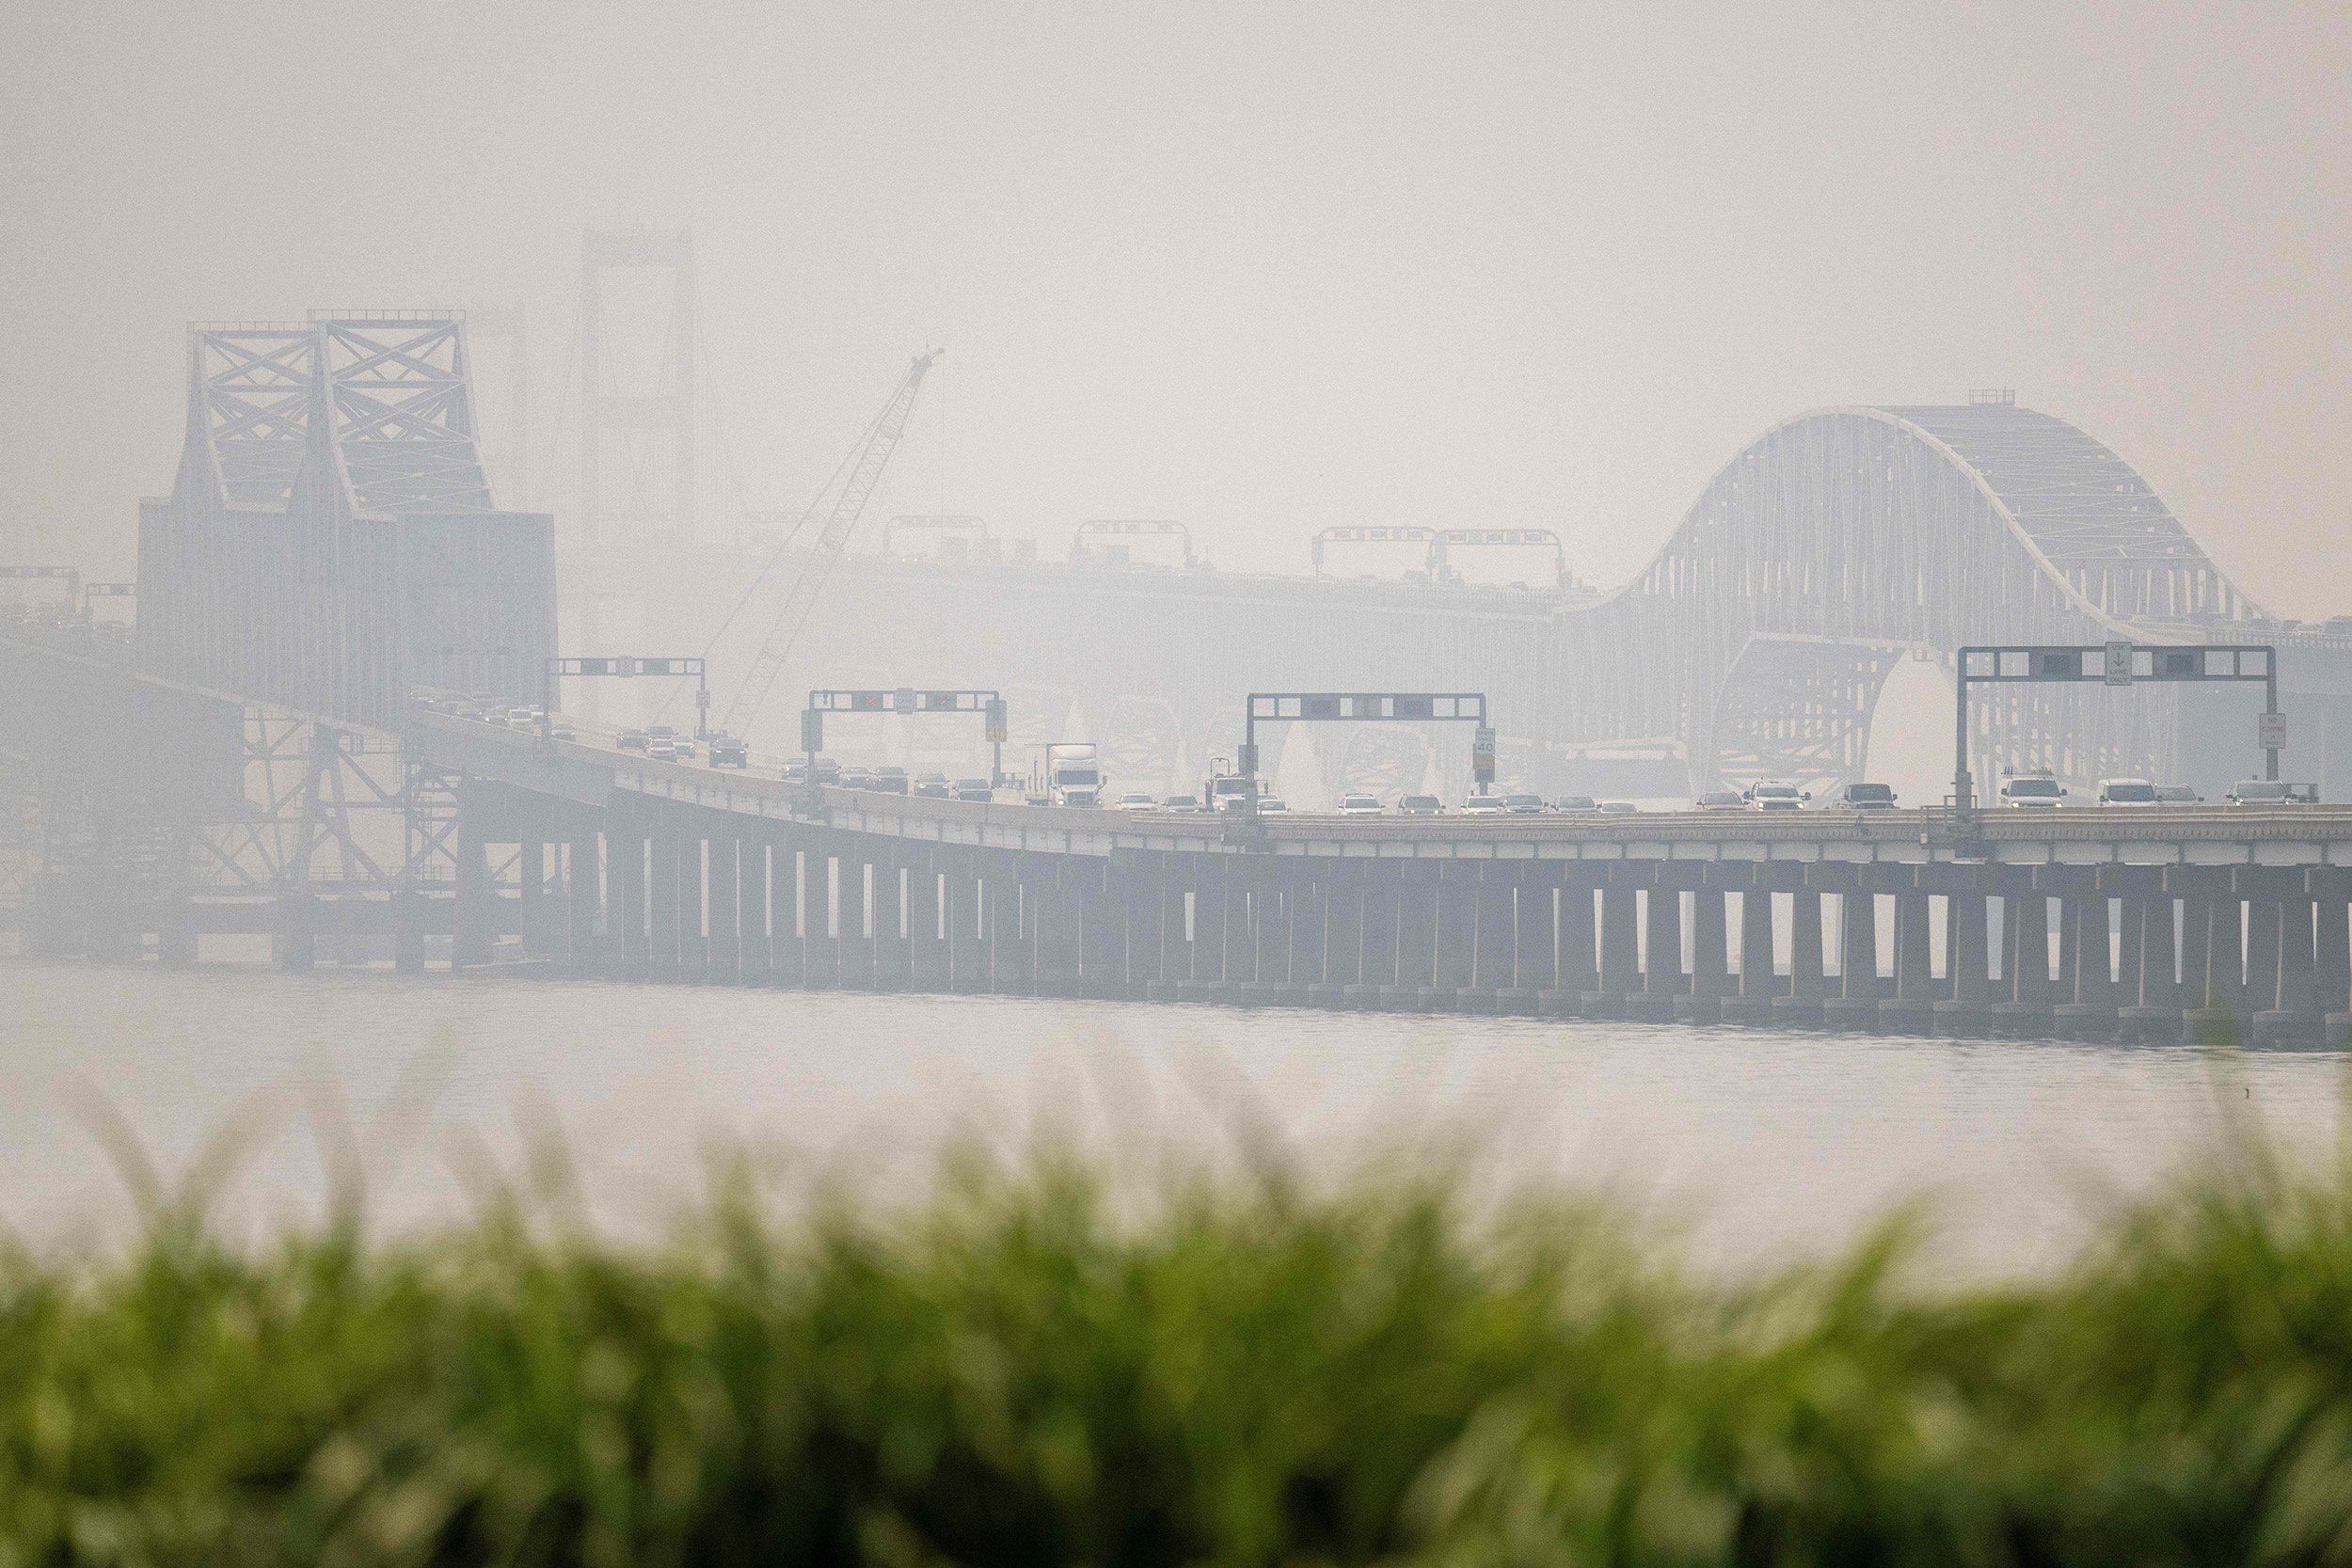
(1837, 548)
(249, 757)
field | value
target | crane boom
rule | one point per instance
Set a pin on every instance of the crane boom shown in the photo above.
(872, 455)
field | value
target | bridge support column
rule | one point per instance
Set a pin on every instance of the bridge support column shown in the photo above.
(1344, 933)
(1011, 971)
(1306, 904)
(1808, 984)
(822, 874)
(624, 873)
(2087, 1009)
(2332, 966)
(1494, 951)
(2225, 954)
(2145, 1008)
(894, 962)
(1661, 969)
(852, 902)
(1759, 977)
(927, 948)
(1911, 1008)
(1853, 1002)
(2025, 966)
(1383, 914)
(1453, 954)
(755, 967)
(1101, 911)
(726, 909)
(1416, 934)
(1620, 944)
(2256, 890)
(1149, 903)
(2200, 914)
(661, 912)
(787, 908)
(476, 915)
(693, 926)
(967, 923)
(2285, 993)
(1710, 953)
(1055, 917)
(1580, 971)
(582, 901)
(1535, 912)
(531, 897)
(1174, 979)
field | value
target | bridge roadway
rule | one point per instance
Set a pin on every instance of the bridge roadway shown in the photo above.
(2102, 923)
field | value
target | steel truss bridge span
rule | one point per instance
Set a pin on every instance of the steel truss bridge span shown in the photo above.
(1833, 550)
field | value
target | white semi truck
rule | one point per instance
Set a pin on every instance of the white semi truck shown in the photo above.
(1073, 774)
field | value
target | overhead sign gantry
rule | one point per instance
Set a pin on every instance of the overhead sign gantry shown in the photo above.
(1380, 708)
(2118, 664)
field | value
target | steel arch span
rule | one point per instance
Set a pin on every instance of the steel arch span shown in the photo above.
(1756, 641)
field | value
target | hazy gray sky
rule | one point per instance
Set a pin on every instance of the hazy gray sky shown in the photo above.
(1259, 268)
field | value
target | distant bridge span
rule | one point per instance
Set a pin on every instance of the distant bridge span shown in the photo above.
(1754, 644)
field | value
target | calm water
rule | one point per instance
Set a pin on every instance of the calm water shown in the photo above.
(1761, 1142)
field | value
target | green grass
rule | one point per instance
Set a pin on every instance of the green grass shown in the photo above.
(1028, 1368)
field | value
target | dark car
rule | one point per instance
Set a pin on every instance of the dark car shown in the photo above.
(933, 786)
(632, 740)
(728, 751)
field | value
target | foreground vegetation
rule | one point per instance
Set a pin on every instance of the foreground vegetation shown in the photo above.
(1024, 1371)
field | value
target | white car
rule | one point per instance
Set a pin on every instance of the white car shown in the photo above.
(2271, 792)
(1770, 795)
(2035, 791)
(1482, 805)
(1272, 802)
(1359, 805)
(1135, 799)
(2129, 792)
(661, 749)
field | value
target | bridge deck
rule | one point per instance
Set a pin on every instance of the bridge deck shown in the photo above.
(589, 773)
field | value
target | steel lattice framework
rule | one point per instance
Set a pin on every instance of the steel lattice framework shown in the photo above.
(1759, 637)
(1756, 643)
(330, 539)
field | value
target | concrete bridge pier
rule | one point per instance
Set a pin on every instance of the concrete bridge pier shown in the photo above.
(2086, 1008)
(790, 869)
(1620, 957)
(1660, 954)
(963, 920)
(2147, 998)
(1808, 984)
(1011, 966)
(1535, 926)
(724, 917)
(926, 950)
(1710, 953)
(1759, 976)
(1454, 938)
(1963, 1009)
(1912, 1009)
(476, 913)
(1855, 1002)
(661, 901)
(2283, 981)
(2331, 914)
(584, 901)
(2023, 1010)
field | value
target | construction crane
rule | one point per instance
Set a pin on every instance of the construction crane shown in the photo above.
(865, 469)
